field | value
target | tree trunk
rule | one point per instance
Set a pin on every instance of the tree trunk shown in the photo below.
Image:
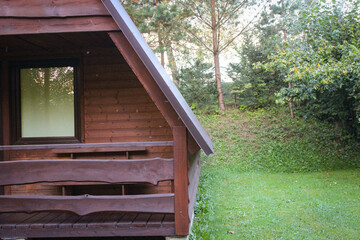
(216, 54)
(172, 61)
(161, 46)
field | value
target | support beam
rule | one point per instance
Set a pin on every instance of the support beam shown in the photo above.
(182, 220)
(14, 26)
(50, 8)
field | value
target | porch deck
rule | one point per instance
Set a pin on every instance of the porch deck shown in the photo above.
(66, 224)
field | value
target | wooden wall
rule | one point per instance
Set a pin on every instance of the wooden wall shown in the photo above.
(115, 108)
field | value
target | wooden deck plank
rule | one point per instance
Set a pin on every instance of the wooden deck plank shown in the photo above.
(155, 220)
(35, 218)
(126, 220)
(9, 220)
(168, 220)
(54, 223)
(44, 220)
(105, 219)
(141, 220)
(70, 220)
(84, 221)
(101, 225)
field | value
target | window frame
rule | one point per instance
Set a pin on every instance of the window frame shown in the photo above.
(16, 101)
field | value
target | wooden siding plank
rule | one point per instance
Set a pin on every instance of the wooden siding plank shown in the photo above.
(82, 205)
(50, 8)
(82, 170)
(145, 78)
(181, 181)
(14, 26)
(98, 150)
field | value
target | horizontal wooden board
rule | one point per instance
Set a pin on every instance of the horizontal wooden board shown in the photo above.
(65, 224)
(86, 170)
(82, 205)
(13, 26)
(158, 123)
(114, 92)
(50, 8)
(128, 138)
(99, 150)
(118, 100)
(120, 108)
(82, 145)
(156, 115)
(119, 68)
(122, 132)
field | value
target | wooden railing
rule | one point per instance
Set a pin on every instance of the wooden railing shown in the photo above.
(83, 170)
(99, 146)
(87, 170)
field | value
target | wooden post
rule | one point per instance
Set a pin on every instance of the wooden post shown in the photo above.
(182, 220)
(5, 111)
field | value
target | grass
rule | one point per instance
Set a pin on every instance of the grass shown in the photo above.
(273, 177)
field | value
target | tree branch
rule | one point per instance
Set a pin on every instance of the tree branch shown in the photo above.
(242, 30)
(201, 41)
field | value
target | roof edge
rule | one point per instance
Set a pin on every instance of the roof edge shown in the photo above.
(159, 74)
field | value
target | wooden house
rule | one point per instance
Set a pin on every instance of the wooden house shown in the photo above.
(95, 138)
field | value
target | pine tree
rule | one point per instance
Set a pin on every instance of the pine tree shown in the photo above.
(215, 26)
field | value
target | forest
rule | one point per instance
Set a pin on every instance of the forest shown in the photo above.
(277, 86)
(254, 54)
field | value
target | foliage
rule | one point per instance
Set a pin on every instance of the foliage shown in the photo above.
(163, 22)
(256, 87)
(273, 177)
(197, 85)
(322, 61)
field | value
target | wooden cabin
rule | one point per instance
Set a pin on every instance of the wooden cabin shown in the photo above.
(96, 140)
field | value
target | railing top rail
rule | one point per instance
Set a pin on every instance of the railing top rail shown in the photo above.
(86, 145)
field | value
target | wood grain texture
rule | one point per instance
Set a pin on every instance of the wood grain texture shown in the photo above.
(86, 204)
(182, 220)
(50, 8)
(194, 177)
(14, 26)
(85, 145)
(99, 150)
(99, 225)
(109, 171)
(145, 78)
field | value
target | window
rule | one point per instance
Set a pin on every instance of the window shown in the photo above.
(46, 102)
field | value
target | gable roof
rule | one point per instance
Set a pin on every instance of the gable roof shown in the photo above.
(159, 74)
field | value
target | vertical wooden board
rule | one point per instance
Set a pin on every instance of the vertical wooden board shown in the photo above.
(182, 220)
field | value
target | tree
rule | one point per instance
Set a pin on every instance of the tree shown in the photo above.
(322, 61)
(197, 84)
(257, 87)
(215, 26)
(163, 19)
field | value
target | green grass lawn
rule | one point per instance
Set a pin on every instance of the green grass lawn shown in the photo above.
(276, 178)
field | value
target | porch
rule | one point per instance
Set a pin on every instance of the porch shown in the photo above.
(103, 212)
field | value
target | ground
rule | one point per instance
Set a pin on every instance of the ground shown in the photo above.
(273, 177)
